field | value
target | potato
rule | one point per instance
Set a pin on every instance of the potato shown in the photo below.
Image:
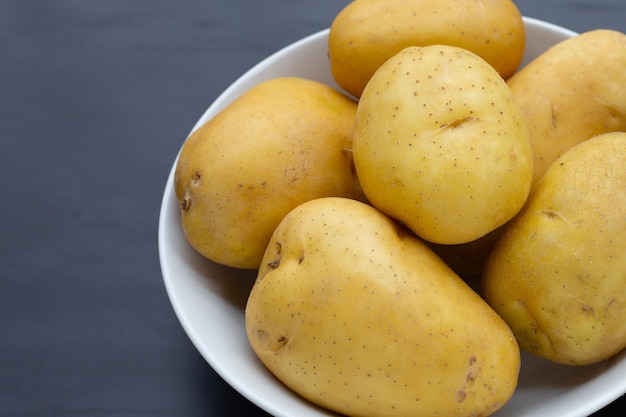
(440, 145)
(357, 315)
(557, 275)
(368, 32)
(571, 92)
(285, 141)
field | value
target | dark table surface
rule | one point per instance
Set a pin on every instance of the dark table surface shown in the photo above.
(96, 98)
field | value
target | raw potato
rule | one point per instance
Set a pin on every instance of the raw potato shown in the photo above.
(358, 316)
(571, 92)
(281, 143)
(368, 32)
(558, 274)
(440, 144)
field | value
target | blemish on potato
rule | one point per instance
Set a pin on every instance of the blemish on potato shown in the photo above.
(587, 309)
(261, 335)
(457, 123)
(279, 343)
(274, 264)
(461, 395)
(471, 376)
(550, 215)
(185, 203)
(195, 179)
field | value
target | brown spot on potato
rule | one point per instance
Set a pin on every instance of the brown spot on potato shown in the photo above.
(471, 376)
(281, 341)
(461, 395)
(586, 308)
(274, 264)
(457, 123)
(185, 203)
(274, 345)
(261, 335)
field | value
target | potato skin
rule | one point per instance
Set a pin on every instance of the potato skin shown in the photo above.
(283, 142)
(571, 92)
(355, 314)
(439, 144)
(557, 276)
(367, 32)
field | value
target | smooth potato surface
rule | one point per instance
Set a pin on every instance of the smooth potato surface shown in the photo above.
(355, 314)
(440, 145)
(285, 141)
(558, 274)
(368, 32)
(571, 92)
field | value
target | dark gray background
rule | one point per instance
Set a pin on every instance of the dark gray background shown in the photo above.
(96, 98)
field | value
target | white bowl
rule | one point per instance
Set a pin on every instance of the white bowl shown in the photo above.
(209, 299)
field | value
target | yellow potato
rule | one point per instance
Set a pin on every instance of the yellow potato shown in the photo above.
(358, 316)
(571, 92)
(368, 32)
(283, 142)
(440, 145)
(558, 274)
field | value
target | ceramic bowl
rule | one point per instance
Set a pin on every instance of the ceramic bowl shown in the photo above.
(209, 299)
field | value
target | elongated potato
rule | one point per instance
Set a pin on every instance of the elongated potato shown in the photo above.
(571, 92)
(558, 274)
(358, 316)
(368, 32)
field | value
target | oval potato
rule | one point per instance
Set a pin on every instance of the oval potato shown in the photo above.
(440, 145)
(558, 274)
(368, 32)
(571, 92)
(283, 142)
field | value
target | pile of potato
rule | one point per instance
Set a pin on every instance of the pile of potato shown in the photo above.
(415, 231)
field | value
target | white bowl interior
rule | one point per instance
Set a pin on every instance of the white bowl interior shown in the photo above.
(209, 299)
